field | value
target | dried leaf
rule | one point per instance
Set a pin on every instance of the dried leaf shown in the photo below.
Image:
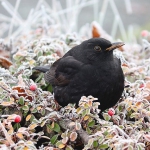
(52, 125)
(4, 62)
(43, 123)
(31, 62)
(86, 118)
(39, 108)
(28, 117)
(32, 126)
(11, 131)
(25, 148)
(61, 145)
(19, 135)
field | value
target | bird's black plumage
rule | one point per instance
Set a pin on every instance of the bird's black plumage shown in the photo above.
(87, 69)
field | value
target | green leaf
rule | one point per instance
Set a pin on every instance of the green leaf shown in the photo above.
(140, 146)
(35, 121)
(43, 112)
(83, 113)
(106, 116)
(17, 126)
(21, 100)
(40, 53)
(130, 147)
(49, 126)
(106, 133)
(91, 124)
(34, 110)
(8, 99)
(95, 144)
(32, 117)
(88, 130)
(39, 77)
(103, 146)
(49, 88)
(54, 139)
(56, 127)
(100, 140)
(68, 148)
(25, 107)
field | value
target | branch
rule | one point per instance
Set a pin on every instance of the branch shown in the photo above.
(6, 134)
(83, 135)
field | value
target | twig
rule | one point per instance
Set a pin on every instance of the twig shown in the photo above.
(6, 134)
(121, 132)
(83, 135)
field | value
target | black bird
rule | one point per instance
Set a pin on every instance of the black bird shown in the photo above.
(87, 69)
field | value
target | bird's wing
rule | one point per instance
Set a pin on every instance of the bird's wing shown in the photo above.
(62, 71)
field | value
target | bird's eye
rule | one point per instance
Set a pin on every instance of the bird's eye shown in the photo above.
(97, 48)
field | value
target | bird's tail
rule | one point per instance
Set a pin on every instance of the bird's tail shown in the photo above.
(42, 68)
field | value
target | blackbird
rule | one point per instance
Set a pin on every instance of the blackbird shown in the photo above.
(87, 69)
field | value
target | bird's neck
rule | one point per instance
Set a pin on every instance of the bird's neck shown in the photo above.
(101, 59)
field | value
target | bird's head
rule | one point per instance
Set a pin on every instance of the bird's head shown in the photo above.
(100, 48)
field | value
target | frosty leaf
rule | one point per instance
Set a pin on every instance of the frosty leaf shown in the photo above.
(88, 130)
(73, 136)
(147, 137)
(43, 112)
(64, 140)
(135, 115)
(25, 107)
(11, 117)
(33, 110)
(78, 126)
(7, 103)
(21, 82)
(5, 62)
(71, 123)
(21, 100)
(106, 116)
(90, 142)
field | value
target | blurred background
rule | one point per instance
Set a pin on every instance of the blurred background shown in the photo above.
(124, 19)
